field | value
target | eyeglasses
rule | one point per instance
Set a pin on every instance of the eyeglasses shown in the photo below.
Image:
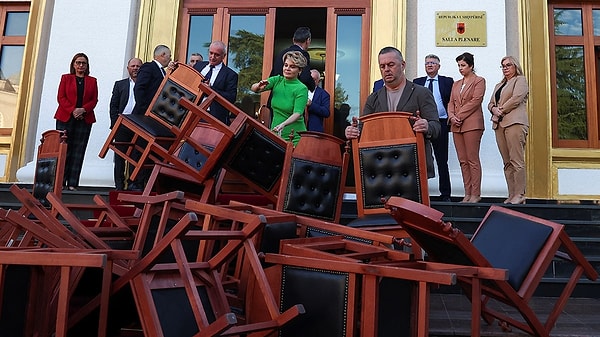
(80, 63)
(506, 66)
(431, 63)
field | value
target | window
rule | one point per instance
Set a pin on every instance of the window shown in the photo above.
(575, 60)
(13, 21)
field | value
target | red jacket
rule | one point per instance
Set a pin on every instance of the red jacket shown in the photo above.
(67, 98)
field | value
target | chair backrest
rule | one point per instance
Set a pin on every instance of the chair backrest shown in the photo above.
(50, 165)
(248, 148)
(165, 107)
(314, 175)
(389, 160)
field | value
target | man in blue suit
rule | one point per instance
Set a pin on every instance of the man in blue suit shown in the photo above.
(318, 104)
(122, 101)
(441, 87)
(221, 78)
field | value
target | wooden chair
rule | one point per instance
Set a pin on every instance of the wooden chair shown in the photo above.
(248, 148)
(522, 244)
(50, 165)
(167, 177)
(389, 160)
(25, 281)
(158, 133)
(351, 288)
(313, 177)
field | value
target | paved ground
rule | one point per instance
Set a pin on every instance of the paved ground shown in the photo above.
(450, 315)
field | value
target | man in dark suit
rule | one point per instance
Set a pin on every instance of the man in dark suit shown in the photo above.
(318, 104)
(404, 95)
(149, 78)
(122, 101)
(221, 78)
(441, 87)
(377, 85)
(301, 42)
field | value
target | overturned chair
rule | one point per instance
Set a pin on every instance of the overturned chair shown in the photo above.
(524, 245)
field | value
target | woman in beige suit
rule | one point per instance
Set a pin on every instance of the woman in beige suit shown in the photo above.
(508, 106)
(465, 117)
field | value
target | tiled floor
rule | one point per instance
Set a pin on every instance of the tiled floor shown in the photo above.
(450, 315)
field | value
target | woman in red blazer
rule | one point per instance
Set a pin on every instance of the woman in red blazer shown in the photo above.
(77, 98)
(465, 116)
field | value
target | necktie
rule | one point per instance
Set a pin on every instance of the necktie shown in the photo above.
(208, 74)
(162, 70)
(430, 85)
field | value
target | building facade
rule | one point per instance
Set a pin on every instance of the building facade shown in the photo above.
(557, 42)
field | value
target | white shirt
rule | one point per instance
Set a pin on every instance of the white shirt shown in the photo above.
(214, 74)
(442, 113)
(131, 101)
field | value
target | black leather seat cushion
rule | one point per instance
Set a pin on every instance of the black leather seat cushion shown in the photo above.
(259, 159)
(150, 125)
(383, 219)
(313, 189)
(511, 242)
(324, 295)
(193, 157)
(45, 176)
(389, 171)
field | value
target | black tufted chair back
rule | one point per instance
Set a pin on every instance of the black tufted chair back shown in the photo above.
(314, 174)
(312, 189)
(44, 179)
(50, 165)
(389, 171)
(259, 159)
(166, 105)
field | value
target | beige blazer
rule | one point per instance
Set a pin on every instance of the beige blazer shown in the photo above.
(512, 102)
(466, 104)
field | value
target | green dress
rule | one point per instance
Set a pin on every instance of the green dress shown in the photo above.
(289, 96)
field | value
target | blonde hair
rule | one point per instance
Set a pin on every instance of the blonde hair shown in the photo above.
(514, 61)
(296, 57)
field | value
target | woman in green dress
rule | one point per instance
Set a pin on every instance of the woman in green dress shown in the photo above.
(289, 96)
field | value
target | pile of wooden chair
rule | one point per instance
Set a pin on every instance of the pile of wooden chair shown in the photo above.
(185, 257)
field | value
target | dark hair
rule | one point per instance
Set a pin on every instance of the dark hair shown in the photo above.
(467, 57)
(302, 34)
(394, 50)
(78, 55)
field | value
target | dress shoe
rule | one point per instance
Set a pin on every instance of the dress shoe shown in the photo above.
(445, 198)
(466, 198)
(517, 199)
(474, 199)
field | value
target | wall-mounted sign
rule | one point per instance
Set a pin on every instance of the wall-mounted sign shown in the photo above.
(461, 28)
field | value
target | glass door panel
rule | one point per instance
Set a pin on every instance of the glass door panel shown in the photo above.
(200, 35)
(246, 48)
(347, 72)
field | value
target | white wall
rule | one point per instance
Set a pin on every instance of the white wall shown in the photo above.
(104, 31)
(487, 61)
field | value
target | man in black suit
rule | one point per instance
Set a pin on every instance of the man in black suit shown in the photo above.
(441, 87)
(122, 101)
(149, 78)
(221, 78)
(301, 40)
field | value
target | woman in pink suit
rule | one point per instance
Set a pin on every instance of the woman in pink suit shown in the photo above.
(465, 117)
(509, 121)
(77, 98)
